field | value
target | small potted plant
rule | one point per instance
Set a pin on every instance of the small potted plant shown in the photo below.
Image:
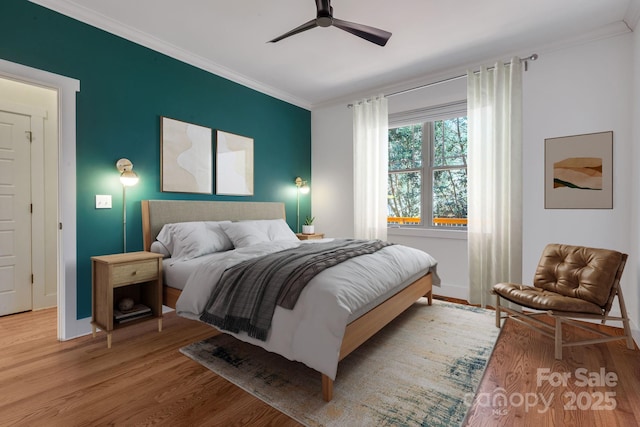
(307, 227)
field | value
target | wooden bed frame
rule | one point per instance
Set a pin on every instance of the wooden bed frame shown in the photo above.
(156, 213)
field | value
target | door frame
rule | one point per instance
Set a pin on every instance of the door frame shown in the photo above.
(68, 324)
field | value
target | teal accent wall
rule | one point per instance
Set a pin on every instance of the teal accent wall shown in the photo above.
(124, 90)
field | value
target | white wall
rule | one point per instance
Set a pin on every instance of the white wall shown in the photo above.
(575, 90)
(578, 90)
(332, 170)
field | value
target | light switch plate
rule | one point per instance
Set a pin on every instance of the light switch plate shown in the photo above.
(103, 201)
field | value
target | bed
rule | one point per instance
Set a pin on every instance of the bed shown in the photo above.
(355, 330)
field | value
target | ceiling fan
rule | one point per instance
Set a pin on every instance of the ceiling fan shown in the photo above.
(325, 18)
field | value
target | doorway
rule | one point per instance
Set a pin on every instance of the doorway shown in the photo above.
(62, 219)
(28, 196)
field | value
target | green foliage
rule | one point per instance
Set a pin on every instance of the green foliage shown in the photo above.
(450, 193)
(405, 186)
(450, 142)
(405, 190)
(405, 147)
(309, 220)
(449, 162)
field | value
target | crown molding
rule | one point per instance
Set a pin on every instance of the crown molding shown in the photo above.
(119, 29)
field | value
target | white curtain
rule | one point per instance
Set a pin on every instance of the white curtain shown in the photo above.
(494, 102)
(370, 167)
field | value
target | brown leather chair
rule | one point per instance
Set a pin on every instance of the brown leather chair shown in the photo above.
(570, 282)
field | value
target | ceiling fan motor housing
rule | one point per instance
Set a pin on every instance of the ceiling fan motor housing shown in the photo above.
(324, 21)
(324, 17)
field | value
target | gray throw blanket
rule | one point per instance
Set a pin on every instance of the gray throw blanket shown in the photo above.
(245, 298)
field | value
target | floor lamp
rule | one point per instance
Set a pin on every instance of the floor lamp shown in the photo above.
(303, 188)
(128, 178)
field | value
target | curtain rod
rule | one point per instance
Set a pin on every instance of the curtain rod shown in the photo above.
(531, 57)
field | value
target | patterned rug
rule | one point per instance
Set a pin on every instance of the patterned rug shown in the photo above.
(421, 370)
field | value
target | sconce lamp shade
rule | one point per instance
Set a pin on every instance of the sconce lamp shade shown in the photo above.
(302, 185)
(127, 176)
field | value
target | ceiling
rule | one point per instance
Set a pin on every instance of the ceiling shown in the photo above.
(316, 67)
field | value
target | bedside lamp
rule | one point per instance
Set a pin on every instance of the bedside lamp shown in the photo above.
(128, 178)
(303, 188)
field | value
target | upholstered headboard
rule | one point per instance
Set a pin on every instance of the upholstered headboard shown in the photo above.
(157, 213)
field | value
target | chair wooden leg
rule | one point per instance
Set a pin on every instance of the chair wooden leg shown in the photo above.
(625, 320)
(497, 311)
(558, 351)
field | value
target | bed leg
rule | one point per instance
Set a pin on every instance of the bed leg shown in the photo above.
(429, 296)
(327, 388)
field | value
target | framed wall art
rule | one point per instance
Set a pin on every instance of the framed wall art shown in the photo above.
(186, 157)
(579, 171)
(234, 164)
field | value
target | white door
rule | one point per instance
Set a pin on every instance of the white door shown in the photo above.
(15, 213)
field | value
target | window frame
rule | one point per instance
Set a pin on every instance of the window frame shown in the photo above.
(423, 116)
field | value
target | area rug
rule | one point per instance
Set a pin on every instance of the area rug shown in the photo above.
(421, 370)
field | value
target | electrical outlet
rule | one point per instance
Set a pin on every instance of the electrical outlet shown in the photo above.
(103, 201)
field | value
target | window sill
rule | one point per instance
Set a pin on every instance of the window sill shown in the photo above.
(427, 232)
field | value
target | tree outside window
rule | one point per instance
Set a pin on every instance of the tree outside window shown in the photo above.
(427, 183)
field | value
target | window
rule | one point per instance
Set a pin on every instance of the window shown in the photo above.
(427, 183)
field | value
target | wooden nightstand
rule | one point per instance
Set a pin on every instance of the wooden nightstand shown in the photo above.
(310, 236)
(135, 275)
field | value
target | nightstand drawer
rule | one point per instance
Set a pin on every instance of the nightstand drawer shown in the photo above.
(134, 272)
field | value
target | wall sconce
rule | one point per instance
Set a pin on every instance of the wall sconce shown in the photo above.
(303, 188)
(128, 178)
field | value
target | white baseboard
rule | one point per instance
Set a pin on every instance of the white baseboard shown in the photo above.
(452, 291)
(78, 328)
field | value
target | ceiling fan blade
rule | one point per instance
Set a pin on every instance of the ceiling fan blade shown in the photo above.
(304, 27)
(374, 35)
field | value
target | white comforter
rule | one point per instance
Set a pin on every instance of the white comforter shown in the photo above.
(312, 332)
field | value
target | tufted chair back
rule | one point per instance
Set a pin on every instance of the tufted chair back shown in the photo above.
(579, 272)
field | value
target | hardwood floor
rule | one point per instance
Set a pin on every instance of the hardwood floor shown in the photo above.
(141, 380)
(144, 380)
(543, 391)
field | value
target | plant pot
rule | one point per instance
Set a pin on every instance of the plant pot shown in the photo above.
(307, 229)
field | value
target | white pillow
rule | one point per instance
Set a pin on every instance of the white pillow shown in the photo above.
(247, 233)
(159, 248)
(216, 233)
(188, 240)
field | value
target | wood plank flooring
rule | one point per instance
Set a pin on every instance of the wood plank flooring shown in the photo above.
(539, 390)
(144, 380)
